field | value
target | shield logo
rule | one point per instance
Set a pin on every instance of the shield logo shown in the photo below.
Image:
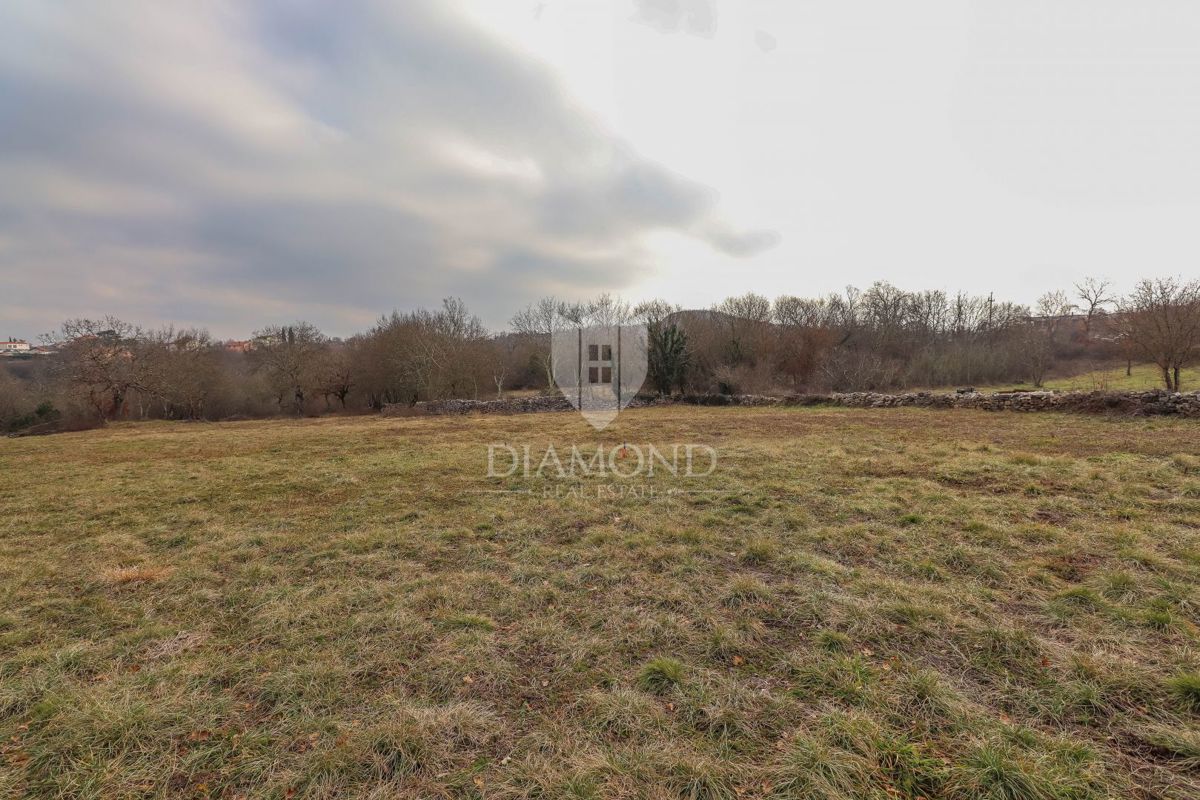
(599, 368)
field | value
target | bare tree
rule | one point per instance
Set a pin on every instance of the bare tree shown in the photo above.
(654, 311)
(1052, 308)
(453, 343)
(538, 321)
(1094, 294)
(505, 349)
(885, 312)
(429, 354)
(608, 309)
(749, 306)
(1040, 334)
(499, 373)
(1161, 319)
(103, 360)
(289, 355)
(335, 373)
(1038, 351)
(182, 370)
(1125, 345)
(746, 320)
(804, 312)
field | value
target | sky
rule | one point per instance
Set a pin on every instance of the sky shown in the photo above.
(238, 164)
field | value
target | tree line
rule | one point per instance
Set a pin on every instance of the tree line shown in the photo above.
(880, 338)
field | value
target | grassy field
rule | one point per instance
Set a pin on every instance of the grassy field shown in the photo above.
(855, 604)
(1113, 378)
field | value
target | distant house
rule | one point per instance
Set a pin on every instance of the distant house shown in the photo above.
(235, 346)
(12, 346)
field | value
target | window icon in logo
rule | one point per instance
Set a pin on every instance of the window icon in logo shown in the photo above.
(601, 372)
(599, 368)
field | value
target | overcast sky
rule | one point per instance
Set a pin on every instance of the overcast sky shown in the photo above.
(235, 164)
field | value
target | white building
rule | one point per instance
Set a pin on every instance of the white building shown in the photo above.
(14, 346)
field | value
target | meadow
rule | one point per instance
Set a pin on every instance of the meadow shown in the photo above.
(894, 603)
(1108, 378)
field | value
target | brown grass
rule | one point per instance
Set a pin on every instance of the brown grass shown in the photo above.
(142, 573)
(858, 603)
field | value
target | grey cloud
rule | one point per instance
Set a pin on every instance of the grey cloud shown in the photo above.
(621, 195)
(239, 163)
(738, 243)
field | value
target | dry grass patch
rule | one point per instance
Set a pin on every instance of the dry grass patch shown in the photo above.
(143, 573)
(857, 603)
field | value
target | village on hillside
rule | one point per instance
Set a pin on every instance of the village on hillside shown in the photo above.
(10, 348)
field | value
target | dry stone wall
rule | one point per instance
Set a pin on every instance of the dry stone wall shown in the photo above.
(1150, 403)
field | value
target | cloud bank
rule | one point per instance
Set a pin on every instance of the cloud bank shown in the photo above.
(235, 164)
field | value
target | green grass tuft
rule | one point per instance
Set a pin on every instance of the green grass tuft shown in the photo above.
(469, 621)
(1185, 688)
(833, 641)
(660, 674)
(991, 772)
(760, 551)
(747, 590)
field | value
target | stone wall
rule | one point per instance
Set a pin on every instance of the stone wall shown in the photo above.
(1129, 403)
(1150, 403)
